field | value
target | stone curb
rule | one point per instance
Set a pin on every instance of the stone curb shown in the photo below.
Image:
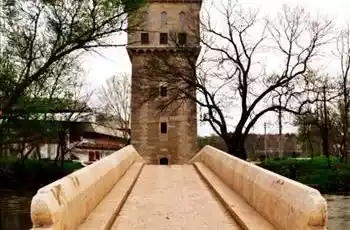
(219, 194)
(125, 197)
(114, 201)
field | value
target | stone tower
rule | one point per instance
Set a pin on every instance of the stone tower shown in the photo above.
(163, 136)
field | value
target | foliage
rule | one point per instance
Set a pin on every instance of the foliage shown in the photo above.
(314, 172)
(41, 37)
(32, 174)
(40, 74)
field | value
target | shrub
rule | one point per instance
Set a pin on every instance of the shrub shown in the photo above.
(314, 172)
(32, 174)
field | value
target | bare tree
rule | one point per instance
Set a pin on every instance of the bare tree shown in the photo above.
(343, 54)
(278, 98)
(77, 110)
(115, 96)
(320, 117)
(230, 77)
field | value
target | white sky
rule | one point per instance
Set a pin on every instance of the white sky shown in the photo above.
(113, 60)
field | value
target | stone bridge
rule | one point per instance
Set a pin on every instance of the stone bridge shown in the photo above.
(212, 191)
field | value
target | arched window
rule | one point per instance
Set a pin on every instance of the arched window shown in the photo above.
(163, 18)
(163, 161)
(182, 20)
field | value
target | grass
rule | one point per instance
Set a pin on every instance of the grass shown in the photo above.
(314, 172)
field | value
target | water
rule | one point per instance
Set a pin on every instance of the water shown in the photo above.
(15, 211)
(338, 212)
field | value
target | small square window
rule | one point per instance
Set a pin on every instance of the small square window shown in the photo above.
(163, 39)
(97, 155)
(163, 127)
(182, 38)
(163, 91)
(144, 38)
(91, 156)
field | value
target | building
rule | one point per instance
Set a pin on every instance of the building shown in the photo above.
(166, 136)
(85, 141)
(91, 141)
(46, 127)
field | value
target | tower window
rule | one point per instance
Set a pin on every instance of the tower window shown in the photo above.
(144, 38)
(163, 89)
(163, 18)
(163, 39)
(182, 21)
(182, 38)
(163, 127)
(163, 161)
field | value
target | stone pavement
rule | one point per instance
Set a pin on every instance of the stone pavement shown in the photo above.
(172, 197)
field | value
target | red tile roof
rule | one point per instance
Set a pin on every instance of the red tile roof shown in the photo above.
(176, 1)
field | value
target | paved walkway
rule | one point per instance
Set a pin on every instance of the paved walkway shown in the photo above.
(172, 197)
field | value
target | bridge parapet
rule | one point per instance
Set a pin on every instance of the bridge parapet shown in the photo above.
(284, 203)
(67, 202)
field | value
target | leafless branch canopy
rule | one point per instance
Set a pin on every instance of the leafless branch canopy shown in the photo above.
(114, 98)
(231, 75)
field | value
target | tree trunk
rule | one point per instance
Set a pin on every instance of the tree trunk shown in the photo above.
(311, 147)
(57, 152)
(325, 146)
(235, 145)
(22, 147)
(63, 151)
(62, 144)
(38, 151)
(1, 142)
(24, 156)
(325, 142)
(344, 150)
(280, 144)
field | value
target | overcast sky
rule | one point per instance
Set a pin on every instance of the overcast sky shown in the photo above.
(113, 60)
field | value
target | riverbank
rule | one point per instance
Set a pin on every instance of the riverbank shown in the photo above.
(32, 174)
(314, 172)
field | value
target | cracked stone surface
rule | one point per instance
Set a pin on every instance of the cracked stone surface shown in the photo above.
(172, 197)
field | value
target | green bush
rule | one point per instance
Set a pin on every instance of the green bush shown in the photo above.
(314, 172)
(33, 173)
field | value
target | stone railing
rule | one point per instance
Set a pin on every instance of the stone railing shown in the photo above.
(284, 203)
(66, 203)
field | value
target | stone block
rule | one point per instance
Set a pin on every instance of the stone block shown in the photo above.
(65, 203)
(285, 203)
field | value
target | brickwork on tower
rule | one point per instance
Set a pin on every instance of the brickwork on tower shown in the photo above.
(169, 133)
